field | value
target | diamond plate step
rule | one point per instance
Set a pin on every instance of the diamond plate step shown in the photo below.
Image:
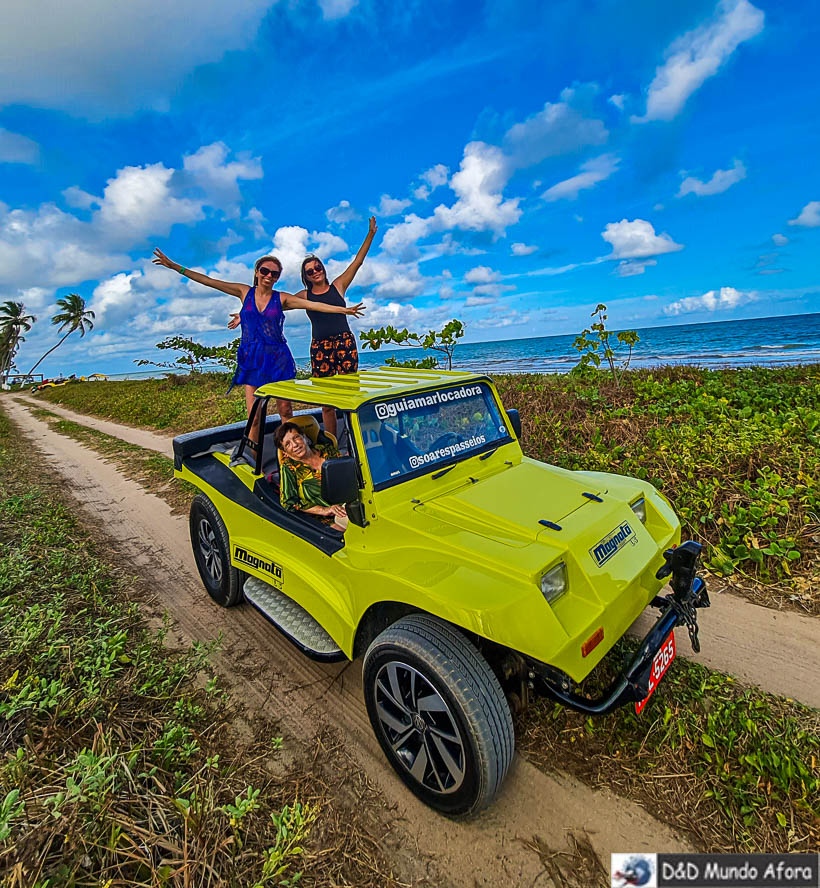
(292, 620)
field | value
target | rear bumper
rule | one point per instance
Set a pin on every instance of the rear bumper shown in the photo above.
(632, 685)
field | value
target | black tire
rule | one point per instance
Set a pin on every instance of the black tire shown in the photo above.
(421, 658)
(209, 539)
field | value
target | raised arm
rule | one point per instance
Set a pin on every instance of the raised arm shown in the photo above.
(346, 277)
(232, 289)
(289, 301)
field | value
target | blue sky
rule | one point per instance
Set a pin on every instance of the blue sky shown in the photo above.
(525, 161)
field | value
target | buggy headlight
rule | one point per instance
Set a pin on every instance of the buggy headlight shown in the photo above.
(554, 583)
(639, 508)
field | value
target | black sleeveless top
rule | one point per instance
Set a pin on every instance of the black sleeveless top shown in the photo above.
(323, 323)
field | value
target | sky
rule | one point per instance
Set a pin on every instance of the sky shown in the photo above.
(524, 160)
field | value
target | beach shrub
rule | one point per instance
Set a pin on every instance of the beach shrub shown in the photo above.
(597, 342)
(443, 341)
(194, 355)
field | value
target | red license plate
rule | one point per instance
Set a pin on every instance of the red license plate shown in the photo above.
(660, 664)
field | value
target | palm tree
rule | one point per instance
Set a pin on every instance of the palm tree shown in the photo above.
(13, 323)
(72, 316)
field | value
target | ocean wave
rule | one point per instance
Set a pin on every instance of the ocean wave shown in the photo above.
(784, 347)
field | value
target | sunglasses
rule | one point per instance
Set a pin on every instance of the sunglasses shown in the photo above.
(264, 271)
(314, 269)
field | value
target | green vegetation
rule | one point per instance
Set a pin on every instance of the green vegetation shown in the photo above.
(194, 354)
(736, 451)
(735, 767)
(120, 763)
(443, 341)
(597, 341)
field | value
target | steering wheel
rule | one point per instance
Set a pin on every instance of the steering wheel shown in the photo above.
(445, 440)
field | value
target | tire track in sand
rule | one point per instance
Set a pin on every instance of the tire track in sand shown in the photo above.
(268, 672)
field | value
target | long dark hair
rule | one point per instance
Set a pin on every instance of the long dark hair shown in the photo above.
(311, 258)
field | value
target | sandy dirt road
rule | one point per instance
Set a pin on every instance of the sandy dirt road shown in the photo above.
(778, 651)
(266, 671)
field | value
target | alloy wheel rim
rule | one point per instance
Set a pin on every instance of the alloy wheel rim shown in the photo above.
(209, 550)
(419, 728)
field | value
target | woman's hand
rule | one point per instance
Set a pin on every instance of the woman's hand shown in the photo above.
(337, 512)
(161, 259)
(356, 310)
(372, 228)
(234, 322)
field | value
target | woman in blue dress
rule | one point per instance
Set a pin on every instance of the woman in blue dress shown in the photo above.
(263, 354)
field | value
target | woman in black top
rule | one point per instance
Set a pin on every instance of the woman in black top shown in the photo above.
(333, 346)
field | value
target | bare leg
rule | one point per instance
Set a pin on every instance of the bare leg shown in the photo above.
(249, 399)
(285, 409)
(329, 420)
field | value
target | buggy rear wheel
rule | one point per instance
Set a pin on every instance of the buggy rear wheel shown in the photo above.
(209, 539)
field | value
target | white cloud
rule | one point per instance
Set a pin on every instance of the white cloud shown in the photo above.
(421, 193)
(631, 267)
(139, 202)
(209, 169)
(480, 204)
(724, 299)
(390, 206)
(617, 100)
(698, 55)
(436, 175)
(494, 290)
(473, 301)
(95, 57)
(637, 240)
(342, 213)
(328, 244)
(809, 216)
(336, 9)
(520, 249)
(257, 222)
(592, 172)
(16, 148)
(559, 128)
(481, 274)
(720, 181)
(76, 197)
(780, 240)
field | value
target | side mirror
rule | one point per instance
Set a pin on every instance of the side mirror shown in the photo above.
(340, 481)
(515, 422)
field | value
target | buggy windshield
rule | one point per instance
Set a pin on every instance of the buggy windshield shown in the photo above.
(414, 434)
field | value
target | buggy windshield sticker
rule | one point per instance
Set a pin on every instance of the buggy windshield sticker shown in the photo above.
(391, 409)
(614, 541)
(444, 452)
(271, 568)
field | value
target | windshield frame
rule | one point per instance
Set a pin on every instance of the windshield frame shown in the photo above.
(421, 471)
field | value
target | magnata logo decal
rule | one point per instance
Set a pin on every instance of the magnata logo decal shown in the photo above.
(271, 568)
(612, 543)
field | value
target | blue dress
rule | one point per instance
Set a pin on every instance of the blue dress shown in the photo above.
(263, 354)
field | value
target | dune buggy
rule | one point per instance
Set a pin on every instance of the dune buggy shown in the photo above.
(470, 577)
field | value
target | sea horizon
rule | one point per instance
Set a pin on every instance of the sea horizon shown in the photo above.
(771, 341)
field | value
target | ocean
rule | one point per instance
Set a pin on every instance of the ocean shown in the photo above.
(782, 341)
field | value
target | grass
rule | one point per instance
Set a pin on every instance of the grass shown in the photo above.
(736, 451)
(121, 762)
(734, 767)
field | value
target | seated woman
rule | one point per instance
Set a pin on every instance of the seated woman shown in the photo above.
(301, 475)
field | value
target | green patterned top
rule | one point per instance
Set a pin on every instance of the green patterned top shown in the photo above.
(301, 484)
